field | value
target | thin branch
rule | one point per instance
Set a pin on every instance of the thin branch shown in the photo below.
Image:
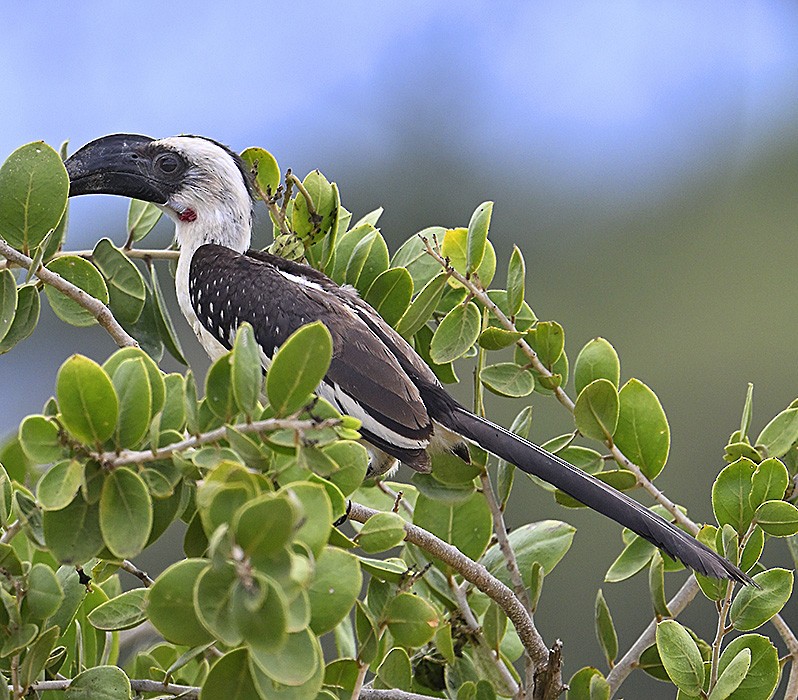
(94, 306)
(142, 576)
(126, 457)
(186, 692)
(792, 646)
(10, 532)
(390, 694)
(478, 575)
(141, 253)
(684, 596)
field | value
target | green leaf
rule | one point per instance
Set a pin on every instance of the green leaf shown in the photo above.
(596, 410)
(212, 595)
(547, 339)
(411, 620)
(763, 673)
(390, 294)
(263, 166)
(605, 629)
(466, 525)
(99, 683)
(478, 236)
(298, 367)
(455, 248)
(494, 625)
(317, 509)
(579, 685)
(731, 678)
(753, 607)
(457, 332)
(38, 437)
(132, 385)
(25, 318)
(381, 531)
(154, 374)
(493, 338)
(35, 660)
(170, 604)
(508, 379)
(369, 259)
(642, 434)
(163, 320)
(230, 678)
(269, 689)
(769, 482)
(73, 533)
(780, 434)
(545, 542)
(82, 274)
(293, 664)
(8, 301)
(9, 560)
(656, 585)
(335, 587)
(680, 656)
(260, 612)
(45, 594)
(352, 460)
(597, 360)
(395, 670)
(219, 387)
(127, 291)
(777, 518)
(265, 525)
(422, 307)
(34, 186)
(634, 558)
(412, 256)
(141, 219)
(731, 495)
(247, 373)
(125, 513)
(87, 400)
(324, 202)
(516, 281)
(121, 613)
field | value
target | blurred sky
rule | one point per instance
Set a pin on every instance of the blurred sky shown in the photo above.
(625, 143)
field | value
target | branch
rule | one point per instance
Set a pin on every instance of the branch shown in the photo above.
(628, 663)
(94, 306)
(478, 575)
(186, 692)
(126, 457)
(10, 532)
(142, 253)
(792, 646)
(131, 568)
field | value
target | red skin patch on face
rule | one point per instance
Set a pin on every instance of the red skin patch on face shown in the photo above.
(188, 215)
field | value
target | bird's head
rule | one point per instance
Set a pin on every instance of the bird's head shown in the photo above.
(203, 186)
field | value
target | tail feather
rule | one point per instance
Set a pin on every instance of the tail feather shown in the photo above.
(593, 493)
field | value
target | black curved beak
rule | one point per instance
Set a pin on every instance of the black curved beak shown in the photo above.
(118, 164)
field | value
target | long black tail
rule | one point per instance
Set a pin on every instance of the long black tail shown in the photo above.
(592, 492)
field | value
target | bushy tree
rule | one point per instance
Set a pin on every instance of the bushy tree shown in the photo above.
(429, 594)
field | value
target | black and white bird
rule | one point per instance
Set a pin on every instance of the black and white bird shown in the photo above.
(375, 375)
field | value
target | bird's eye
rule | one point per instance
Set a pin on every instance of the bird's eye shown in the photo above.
(167, 163)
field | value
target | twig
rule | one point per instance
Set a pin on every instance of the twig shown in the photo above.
(473, 627)
(390, 694)
(361, 677)
(142, 253)
(478, 575)
(792, 647)
(131, 568)
(628, 663)
(10, 532)
(186, 692)
(94, 306)
(125, 457)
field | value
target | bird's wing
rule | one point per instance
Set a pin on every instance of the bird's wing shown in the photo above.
(277, 297)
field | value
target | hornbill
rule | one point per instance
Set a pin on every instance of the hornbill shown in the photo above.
(375, 375)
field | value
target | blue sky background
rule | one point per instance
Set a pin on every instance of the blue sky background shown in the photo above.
(644, 155)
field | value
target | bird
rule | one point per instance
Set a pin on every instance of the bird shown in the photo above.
(375, 375)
